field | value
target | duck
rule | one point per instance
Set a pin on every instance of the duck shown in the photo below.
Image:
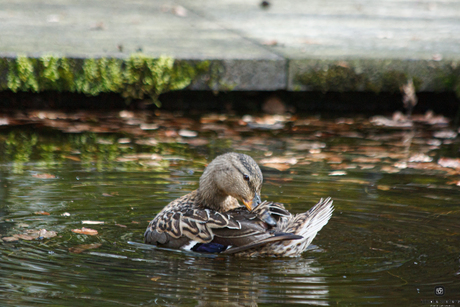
(225, 215)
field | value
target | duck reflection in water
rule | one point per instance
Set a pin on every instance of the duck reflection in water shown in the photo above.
(211, 220)
(235, 281)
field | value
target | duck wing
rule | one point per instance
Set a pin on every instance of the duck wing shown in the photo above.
(182, 221)
(257, 228)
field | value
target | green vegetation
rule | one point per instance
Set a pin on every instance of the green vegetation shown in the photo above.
(136, 77)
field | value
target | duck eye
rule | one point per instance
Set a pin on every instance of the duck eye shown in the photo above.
(246, 177)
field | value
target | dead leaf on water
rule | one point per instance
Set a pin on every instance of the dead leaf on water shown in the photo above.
(149, 126)
(155, 278)
(366, 166)
(449, 162)
(187, 133)
(25, 237)
(85, 231)
(383, 187)
(445, 134)
(121, 225)
(420, 158)
(279, 163)
(32, 234)
(81, 248)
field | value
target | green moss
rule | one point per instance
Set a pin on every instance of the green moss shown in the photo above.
(374, 75)
(336, 77)
(22, 74)
(4, 68)
(145, 76)
(450, 79)
(137, 77)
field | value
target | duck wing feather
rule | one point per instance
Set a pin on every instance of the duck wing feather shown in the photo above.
(182, 218)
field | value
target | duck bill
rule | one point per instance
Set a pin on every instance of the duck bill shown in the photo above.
(252, 203)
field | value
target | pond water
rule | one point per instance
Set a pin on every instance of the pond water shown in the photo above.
(393, 238)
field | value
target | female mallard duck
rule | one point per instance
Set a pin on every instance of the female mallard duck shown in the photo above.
(210, 218)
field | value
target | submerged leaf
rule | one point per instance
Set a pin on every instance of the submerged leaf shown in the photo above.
(44, 176)
(80, 248)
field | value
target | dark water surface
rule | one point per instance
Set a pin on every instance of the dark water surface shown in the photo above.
(393, 238)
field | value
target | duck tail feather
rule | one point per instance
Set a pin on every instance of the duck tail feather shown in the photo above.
(308, 224)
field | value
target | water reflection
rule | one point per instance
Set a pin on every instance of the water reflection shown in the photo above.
(232, 281)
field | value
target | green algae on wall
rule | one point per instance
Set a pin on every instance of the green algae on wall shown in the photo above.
(374, 75)
(136, 77)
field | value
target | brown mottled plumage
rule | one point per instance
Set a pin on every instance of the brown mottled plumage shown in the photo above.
(210, 218)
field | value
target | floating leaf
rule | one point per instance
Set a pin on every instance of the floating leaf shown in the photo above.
(420, 158)
(446, 134)
(85, 231)
(149, 127)
(448, 162)
(25, 237)
(43, 233)
(187, 133)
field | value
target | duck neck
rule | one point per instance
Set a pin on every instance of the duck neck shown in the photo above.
(216, 201)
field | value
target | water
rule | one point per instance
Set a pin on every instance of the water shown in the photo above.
(393, 238)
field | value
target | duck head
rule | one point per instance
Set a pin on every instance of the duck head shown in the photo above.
(230, 178)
